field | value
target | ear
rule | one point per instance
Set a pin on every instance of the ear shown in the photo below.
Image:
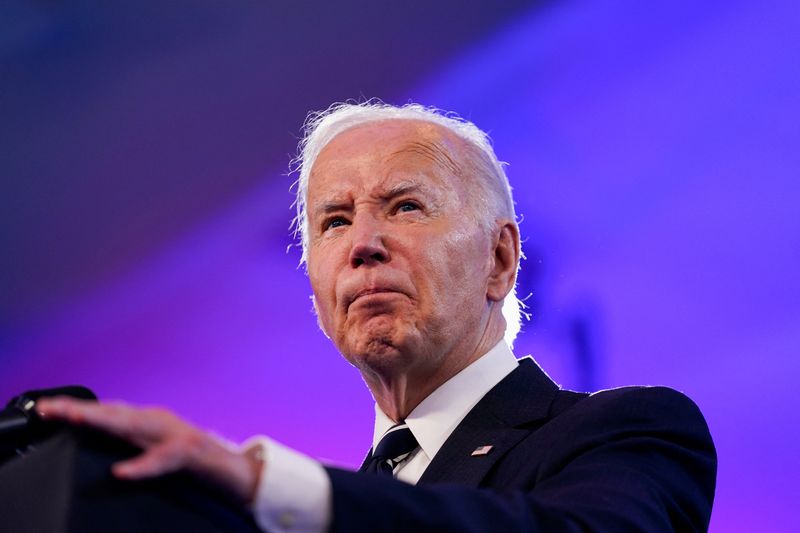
(506, 261)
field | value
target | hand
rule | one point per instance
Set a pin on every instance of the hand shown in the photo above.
(168, 443)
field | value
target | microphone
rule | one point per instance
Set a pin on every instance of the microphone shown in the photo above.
(19, 423)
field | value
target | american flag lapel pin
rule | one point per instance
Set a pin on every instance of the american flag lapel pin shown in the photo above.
(482, 450)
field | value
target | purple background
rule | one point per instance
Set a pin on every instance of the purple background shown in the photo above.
(653, 149)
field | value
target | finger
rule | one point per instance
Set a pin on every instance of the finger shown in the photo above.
(157, 461)
(110, 417)
(63, 408)
(203, 454)
(140, 426)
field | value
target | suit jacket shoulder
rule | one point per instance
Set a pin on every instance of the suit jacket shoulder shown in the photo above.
(634, 458)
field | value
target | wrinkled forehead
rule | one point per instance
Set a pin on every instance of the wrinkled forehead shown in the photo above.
(397, 141)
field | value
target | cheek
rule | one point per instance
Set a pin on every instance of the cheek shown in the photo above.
(459, 268)
(322, 286)
(452, 295)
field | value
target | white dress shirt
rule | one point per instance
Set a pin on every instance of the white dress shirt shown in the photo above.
(294, 492)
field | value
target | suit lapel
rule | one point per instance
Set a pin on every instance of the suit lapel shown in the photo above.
(522, 397)
(365, 461)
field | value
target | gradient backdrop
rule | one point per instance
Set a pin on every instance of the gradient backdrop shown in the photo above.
(654, 150)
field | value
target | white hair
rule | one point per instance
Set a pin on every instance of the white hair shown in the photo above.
(495, 195)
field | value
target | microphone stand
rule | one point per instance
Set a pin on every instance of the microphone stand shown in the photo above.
(20, 425)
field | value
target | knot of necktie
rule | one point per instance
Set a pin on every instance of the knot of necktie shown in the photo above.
(394, 446)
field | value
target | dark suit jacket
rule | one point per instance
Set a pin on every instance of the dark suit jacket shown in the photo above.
(629, 459)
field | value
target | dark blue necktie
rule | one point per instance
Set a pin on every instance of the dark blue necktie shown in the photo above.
(394, 446)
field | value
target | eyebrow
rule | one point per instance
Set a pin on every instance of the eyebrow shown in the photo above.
(402, 188)
(398, 189)
(331, 206)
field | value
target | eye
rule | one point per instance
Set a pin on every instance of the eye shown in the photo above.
(334, 222)
(407, 206)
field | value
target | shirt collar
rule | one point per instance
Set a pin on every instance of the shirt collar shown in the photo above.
(435, 418)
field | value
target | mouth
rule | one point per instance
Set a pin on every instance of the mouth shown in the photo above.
(370, 292)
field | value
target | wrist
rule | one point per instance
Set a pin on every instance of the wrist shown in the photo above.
(254, 458)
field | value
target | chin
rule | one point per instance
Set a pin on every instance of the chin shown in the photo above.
(380, 349)
(375, 334)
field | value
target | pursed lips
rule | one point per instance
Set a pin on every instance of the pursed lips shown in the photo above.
(372, 290)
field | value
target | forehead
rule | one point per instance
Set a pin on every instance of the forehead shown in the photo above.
(367, 152)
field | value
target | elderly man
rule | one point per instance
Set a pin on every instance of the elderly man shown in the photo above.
(409, 235)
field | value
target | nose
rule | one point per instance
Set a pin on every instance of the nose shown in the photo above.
(367, 247)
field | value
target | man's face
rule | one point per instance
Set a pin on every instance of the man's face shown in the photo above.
(397, 259)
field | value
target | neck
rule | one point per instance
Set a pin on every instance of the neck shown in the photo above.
(399, 392)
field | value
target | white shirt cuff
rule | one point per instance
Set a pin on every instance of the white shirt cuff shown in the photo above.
(294, 491)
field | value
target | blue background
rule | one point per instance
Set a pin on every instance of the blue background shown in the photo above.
(653, 151)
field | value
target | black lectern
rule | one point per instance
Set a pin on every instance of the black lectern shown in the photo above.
(64, 485)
